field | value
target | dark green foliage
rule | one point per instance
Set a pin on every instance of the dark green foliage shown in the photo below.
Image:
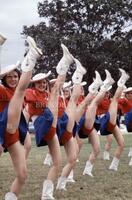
(91, 29)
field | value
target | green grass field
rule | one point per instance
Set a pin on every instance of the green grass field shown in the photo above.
(106, 184)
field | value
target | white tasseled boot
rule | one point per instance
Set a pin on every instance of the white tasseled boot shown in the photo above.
(114, 164)
(33, 54)
(97, 83)
(10, 196)
(70, 177)
(61, 184)
(109, 81)
(106, 155)
(2, 39)
(130, 152)
(65, 61)
(124, 77)
(32, 44)
(88, 169)
(79, 72)
(48, 160)
(48, 188)
(93, 88)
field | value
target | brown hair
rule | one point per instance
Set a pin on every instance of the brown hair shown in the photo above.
(3, 80)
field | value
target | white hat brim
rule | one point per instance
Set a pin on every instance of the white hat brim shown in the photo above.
(66, 84)
(40, 76)
(8, 69)
(83, 83)
(127, 90)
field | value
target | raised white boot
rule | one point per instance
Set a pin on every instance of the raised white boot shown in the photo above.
(65, 61)
(10, 196)
(108, 82)
(61, 184)
(97, 83)
(124, 77)
(48, 188)
(48, 160)
(32, 44)
(114, 164)
(79, 72)
(33, 54)
(106, 155)
(88, 169)
(2, 39)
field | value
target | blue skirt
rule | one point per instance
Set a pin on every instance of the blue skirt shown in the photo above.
(80, 123)
(23, 128)
(75, 129)
(103, 124)
(79, 128)
(128, 121)
(61, 125)
(97, 123)
(3, 124)
(42, 126)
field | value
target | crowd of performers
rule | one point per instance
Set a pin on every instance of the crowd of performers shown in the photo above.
(62, 116)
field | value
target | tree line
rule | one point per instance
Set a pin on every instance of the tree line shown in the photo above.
(97, 32)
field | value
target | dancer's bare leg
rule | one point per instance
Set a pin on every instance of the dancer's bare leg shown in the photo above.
(54, 147)
(106, 154)
(113, 117)
(16, 150)
(70, 146)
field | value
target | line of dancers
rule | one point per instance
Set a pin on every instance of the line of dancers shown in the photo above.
(62, 116)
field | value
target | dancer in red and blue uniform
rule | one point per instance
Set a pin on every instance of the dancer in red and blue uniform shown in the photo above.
(65, 126)
(125, 104)
(10, 116)
(86, 124)
(101, 110)
(109, 121)
(43, 109)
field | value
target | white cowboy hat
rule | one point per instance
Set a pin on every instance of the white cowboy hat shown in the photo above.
(127, 90)
(40, 76)
(83, 83)
(9, 68)
(66, 84)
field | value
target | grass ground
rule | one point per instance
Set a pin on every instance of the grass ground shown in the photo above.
(106, 184)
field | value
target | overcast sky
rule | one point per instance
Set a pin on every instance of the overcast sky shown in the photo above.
(13, 15)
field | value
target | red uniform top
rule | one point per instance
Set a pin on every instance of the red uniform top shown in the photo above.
(62, 104)
(103, 106)
(125, 104)
(36, 100)
(5, 96)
